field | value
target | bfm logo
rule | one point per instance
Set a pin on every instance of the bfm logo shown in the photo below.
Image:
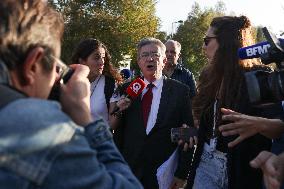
(257, 50)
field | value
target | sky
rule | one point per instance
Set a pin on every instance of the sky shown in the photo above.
(269, 13)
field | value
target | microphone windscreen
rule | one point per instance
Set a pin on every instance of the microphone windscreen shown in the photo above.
(253, 51)
(256, 50)
(135, 88)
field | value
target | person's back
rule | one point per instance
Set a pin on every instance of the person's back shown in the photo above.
(52, 151)
(43, 146)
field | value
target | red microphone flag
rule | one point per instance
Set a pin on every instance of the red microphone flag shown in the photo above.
(135, 88)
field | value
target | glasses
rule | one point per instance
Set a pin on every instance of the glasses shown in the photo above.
(207, 40)
(61, 69)
(154, 55)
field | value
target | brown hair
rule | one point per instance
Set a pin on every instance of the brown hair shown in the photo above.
(224, 76)
(26, 24)
(86, 47)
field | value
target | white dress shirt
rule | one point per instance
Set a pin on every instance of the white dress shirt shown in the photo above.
(157, 91)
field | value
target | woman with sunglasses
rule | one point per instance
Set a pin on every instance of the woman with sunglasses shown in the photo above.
(222, 84)
(103, 77)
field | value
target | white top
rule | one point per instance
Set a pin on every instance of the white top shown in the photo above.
(98, 100)
(157, 91)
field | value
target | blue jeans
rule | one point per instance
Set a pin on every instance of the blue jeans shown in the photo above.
(212, 170)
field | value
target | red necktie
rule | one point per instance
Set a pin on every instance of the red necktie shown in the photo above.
(146, 103)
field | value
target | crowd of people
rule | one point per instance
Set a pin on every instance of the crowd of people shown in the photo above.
(79, 142)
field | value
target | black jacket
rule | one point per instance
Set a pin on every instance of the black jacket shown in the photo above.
(145, 153)
(240, 173)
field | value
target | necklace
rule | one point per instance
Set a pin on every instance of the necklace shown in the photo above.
(95, 85)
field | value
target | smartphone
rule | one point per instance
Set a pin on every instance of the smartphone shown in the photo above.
(181, 133)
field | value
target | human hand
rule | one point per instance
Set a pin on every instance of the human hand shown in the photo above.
(190, 143)
(243, 125)
(272, 168)
(75, 95)
(177, 183)
(123, 103)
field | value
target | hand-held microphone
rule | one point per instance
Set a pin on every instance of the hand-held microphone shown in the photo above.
(255, 51)
(133, 90)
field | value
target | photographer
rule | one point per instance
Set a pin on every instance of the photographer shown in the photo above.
(41, 145)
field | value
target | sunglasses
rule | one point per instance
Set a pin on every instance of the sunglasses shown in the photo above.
(207, 40)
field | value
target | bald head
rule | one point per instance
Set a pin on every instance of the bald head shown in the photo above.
(173, 49)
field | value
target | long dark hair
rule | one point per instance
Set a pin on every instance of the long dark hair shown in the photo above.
(223, 77)
(86, 47)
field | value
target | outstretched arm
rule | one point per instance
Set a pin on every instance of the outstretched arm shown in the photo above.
(246, 126)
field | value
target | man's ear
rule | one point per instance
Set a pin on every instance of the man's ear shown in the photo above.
(165, 60)
(31, 64)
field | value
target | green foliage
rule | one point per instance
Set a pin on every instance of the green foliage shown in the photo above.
(120, 24)
(190, 34)
(259, 36)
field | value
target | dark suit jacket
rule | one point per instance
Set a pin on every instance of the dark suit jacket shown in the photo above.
(145, 153)
(109, 88)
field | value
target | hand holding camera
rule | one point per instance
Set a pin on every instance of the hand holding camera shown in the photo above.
(75, 95)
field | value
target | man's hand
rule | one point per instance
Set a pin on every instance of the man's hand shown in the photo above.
(75, 96)
(177, 183)
(190, 144)
(272, 167)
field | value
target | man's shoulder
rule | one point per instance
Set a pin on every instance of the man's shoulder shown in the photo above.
(35, 131)
(183, 69)
(32, 112)
(34, 106)
(175, 83)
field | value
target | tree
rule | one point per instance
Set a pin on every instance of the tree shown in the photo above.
(120, 24)
(191, 33)
(259, 36)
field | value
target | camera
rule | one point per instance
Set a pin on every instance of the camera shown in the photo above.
(183, 133)
(64, 77)
(265, 86)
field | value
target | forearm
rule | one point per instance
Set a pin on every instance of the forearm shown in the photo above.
(108, 155)
(271, 128)
(90, 160)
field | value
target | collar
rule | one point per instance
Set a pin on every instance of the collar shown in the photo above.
(178, 67)
(157, 82)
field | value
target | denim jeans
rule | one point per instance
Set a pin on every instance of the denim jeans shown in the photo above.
(212, 170)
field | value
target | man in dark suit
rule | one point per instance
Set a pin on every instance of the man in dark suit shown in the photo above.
(143, 136)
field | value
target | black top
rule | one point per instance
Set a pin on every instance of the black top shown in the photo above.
(240, 174)
(186, 77)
